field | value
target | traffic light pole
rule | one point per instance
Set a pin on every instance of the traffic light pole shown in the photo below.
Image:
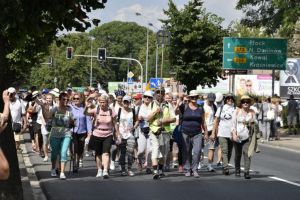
(118, 58)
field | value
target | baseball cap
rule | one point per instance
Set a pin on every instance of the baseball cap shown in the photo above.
(211, 97)
(137, 96)
(35, 94)
(127, 98)
(45, 91)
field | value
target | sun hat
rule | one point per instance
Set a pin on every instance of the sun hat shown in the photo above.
(35, 94)
(55, 92)
(245, 97)
(148, 93)
(219, 97)
(193, 93)
(11, 90)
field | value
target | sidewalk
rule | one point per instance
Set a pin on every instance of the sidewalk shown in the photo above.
(287, 142)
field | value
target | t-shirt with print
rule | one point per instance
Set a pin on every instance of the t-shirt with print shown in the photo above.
(209, 114)
(103, 126)
(61, 123)
(126, 124)
(225, 121)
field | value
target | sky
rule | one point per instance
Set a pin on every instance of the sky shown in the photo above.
(152, 10)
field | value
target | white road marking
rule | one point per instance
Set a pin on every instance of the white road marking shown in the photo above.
(285, 181)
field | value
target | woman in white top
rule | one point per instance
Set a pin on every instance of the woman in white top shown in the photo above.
(144, 145)
(222, 130)
(127, 124)
(244, 121)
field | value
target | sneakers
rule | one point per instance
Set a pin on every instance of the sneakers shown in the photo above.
(87, 154)
(53, 173)
(62, 176)
(80, 163)
(195, 174)
(210, 168)
(237, 173)
(105, 174)
(161, 173)
(200, 166)
(130, 173)
(175, 164)
(187, 174)
(219, 164)
(99, 173)
(123, 173)
(46, 159)
(155, 175)
(112, 165)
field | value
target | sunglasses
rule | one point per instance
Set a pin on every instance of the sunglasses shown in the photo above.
(147, 97)
(126, 102)
(75, 98)
(159, 92)
(194, 97)
(65, 99)
(245, 102)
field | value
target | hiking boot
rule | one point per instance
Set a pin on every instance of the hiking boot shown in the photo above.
(247, 175)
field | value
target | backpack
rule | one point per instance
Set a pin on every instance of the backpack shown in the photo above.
(133, 113)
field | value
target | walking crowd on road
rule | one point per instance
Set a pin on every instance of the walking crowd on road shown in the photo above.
(153, 132)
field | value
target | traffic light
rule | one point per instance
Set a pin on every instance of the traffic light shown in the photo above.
(69, 54)
(101, 54)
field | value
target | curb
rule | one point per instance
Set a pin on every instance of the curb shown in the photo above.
(279, 147)
(34, 182)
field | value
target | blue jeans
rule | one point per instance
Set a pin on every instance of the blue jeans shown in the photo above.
(59, 146)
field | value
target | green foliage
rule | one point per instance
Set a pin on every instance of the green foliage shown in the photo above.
(121, 39)
(239, 30)
(196, 43)
(275, 15)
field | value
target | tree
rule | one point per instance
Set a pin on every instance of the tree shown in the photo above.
(26, 29)
(121, 39)
(237, 29)
(196, 43)
(274, 15)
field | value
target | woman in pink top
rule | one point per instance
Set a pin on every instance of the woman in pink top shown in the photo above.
(103, 131)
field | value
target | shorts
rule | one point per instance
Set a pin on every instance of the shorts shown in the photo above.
(212, 144)
(101, 145)
(292, 119)
(36, 127)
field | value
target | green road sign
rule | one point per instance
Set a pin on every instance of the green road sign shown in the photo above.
(254, 53)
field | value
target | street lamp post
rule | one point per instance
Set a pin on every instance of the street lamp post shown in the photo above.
(91, 70)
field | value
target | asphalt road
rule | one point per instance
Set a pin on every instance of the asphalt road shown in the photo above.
(275, 175)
